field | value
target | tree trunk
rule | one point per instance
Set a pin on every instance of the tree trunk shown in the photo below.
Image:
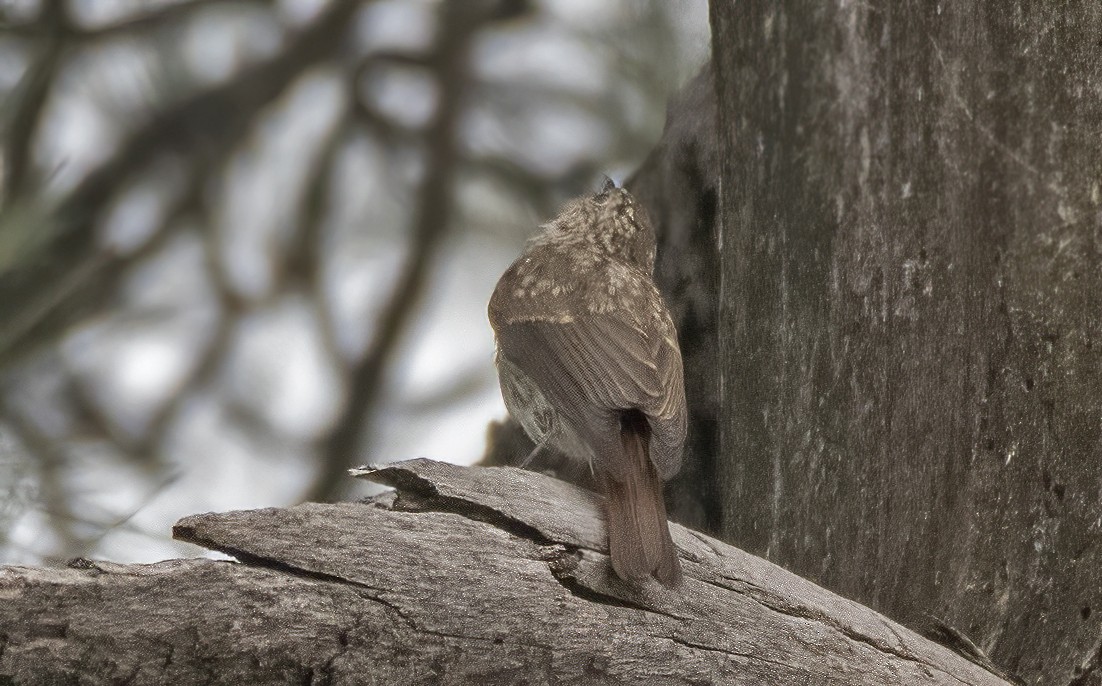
(468, 576)
(909, 325)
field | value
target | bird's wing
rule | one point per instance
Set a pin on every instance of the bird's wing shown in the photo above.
(591, 368)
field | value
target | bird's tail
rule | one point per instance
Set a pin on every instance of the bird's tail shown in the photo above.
(638, 534)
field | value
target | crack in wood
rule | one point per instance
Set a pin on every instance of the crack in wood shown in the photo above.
(729, 653)
(186, 533)
(954, 639)
(707, 542)
(326, 670)
(590, 594)
(770, 601)
(418, 494)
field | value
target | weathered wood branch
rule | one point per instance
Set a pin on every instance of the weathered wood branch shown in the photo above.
(464, 575)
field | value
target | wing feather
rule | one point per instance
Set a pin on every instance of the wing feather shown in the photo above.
(593, 368)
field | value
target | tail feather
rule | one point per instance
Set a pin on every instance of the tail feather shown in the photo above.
(638, 535)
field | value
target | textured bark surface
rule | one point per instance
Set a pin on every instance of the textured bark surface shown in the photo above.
(911, 322)
(468, 575)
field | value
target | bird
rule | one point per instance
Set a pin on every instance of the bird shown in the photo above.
(589, 365)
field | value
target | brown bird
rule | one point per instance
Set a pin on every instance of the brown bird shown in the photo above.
(589, 365)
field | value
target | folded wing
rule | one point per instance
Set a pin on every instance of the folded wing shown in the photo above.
(595, 368)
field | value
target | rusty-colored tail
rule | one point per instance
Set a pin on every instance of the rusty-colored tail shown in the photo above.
(638, 534)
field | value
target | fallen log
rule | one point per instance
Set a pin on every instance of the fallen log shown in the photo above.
(461, 575)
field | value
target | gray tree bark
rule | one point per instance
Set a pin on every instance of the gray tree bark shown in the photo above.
(909, 326)
(466, 575)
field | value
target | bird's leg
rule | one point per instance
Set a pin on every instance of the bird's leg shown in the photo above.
(540, 445)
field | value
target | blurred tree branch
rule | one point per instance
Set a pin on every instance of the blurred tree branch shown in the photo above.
(156, 18)
(144, 21)
(50, 462)
(64, 275)
(431, 217)
(302, 261)
(211, 119)
(29, 100)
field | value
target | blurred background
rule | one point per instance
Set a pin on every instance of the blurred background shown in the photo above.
(248, 244)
